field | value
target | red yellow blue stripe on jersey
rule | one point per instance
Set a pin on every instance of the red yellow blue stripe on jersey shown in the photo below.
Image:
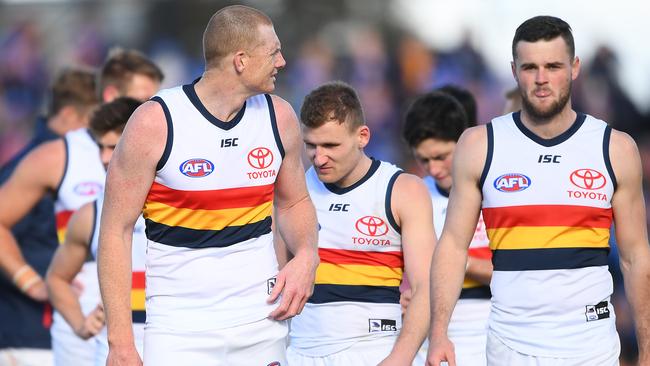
(359, 276)
(62, 218)
(538, 237)
(138, 297)
(212, 218)
(473, 289)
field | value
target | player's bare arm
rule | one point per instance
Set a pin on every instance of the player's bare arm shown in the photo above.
(631, 234)
(412, 210)
(296, 220)
(450, 256)
(66, 264)
(479, 269)
(130, 175)
(37, 174)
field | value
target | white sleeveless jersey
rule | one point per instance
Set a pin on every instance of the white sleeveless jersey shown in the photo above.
(83, 179)
(546, 205)
(356, 295)
(210, 257)
(468, 324)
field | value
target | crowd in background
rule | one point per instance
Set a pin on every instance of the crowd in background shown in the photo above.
(386, 65)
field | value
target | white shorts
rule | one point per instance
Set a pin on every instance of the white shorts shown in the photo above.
(260, 343)
(25, 357)
(500, 354)
(363, 353)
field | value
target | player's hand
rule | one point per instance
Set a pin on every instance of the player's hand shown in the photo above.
(405, 299)
(38, 291)
(125, 355)
(93, 323)
(441, 349)
(296, 284)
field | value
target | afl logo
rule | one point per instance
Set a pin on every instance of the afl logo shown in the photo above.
(588, 179)
(260, 158)
(274, 363)
(512, 182)
(196, 168)
(371, 226)
(87, 188)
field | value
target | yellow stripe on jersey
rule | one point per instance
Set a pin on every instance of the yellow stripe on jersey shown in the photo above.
(137, 299)
(547, 237)
(206, 219)
(470, 283)
(352, 274)
(60, 234)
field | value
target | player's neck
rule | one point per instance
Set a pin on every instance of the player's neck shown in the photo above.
(359, 171)
(551, 127)
(220, 97)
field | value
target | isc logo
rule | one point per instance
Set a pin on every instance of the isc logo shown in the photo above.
(196, 168)
(339, 207)
(382, 325)
(512, 182)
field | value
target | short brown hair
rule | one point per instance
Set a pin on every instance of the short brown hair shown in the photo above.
(231, 28)
(333, 101)
(545, 28)
(121, 65)
(112, 116)
(73, 87)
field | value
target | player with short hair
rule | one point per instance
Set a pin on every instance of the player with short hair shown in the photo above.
(207, 163)
(375, 224)
(550, 182)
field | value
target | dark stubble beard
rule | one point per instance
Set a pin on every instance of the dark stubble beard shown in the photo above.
(544, 116)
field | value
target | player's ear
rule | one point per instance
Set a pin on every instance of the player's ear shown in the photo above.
(240, 59)
(363, 134)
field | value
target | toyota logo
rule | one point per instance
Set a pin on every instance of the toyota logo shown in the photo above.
(588, 179)
(260, 158)
(371, 226)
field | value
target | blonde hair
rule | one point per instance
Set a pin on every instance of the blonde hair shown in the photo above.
(230, 29)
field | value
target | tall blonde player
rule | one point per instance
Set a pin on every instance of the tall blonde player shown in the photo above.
(209, 161)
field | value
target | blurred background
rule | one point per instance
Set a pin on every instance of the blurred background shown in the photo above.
(389, 50)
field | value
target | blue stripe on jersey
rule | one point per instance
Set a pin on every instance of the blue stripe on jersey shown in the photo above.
(139, 316)
(608, 162)
(481, 292)
(192, 238)
(387, 202)
(170, 133)
(357, 293)
(542, 259)
(274, 125)
(488, 157)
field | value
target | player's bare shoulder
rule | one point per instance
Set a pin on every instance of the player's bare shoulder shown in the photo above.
(45, 164)
(409, 192)
(285, 115)
(146, 130)
(624, 156)
(471, 151)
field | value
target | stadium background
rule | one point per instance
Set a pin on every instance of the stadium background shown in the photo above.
(389, 50)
